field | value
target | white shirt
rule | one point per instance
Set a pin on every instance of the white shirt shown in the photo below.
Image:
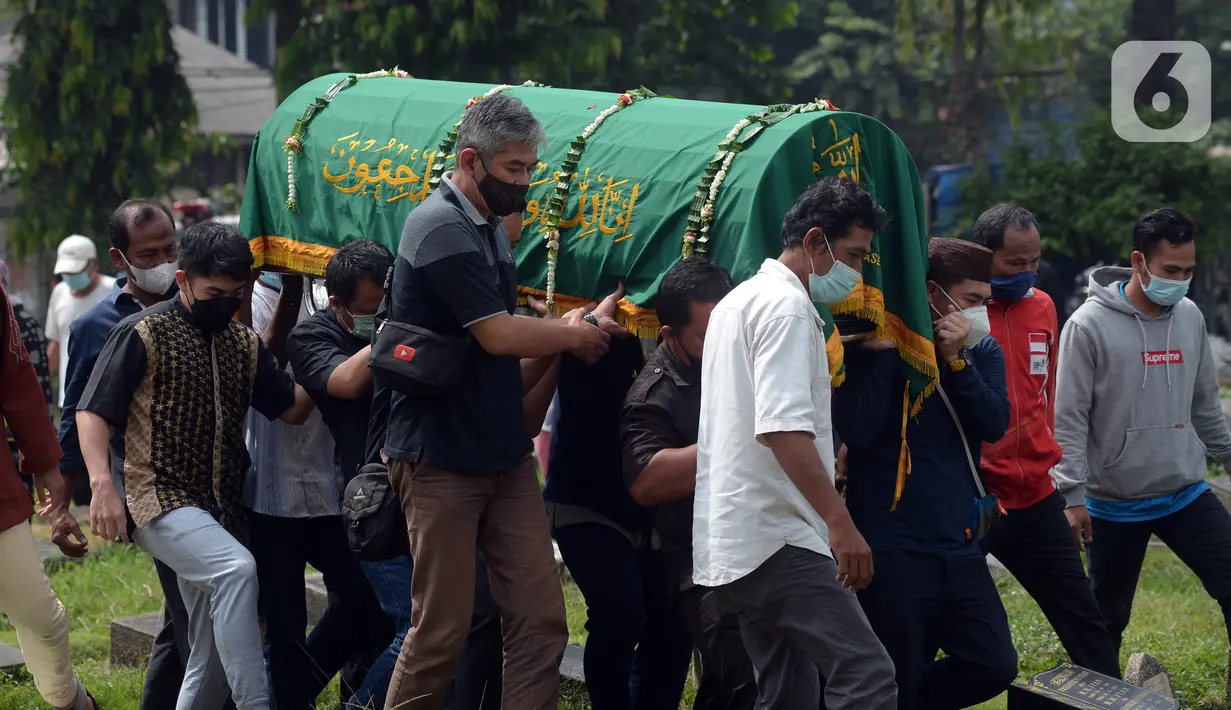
(765, 370)
(293, 473)
(62, 309)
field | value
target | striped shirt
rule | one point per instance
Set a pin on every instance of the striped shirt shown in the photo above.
(293, 473)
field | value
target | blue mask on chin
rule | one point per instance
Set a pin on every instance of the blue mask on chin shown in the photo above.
(272, 280)
(1012, 288)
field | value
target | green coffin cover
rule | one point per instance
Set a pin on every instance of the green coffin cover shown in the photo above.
(367, 155)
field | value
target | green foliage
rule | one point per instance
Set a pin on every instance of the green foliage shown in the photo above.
(720, 45)
(1089, 192)
(1209, 22)
(934, 70)
(94, 105)
(856, 62)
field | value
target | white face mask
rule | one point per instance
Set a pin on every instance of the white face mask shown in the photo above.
(980, 326)
(157, 280)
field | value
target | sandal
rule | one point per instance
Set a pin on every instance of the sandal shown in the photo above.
(84, 701)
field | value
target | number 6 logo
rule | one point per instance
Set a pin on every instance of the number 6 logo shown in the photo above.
(1159, 76)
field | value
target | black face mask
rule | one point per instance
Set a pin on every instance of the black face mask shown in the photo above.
(213, 315)
(696, 363)
(502, 198)
(694, 360)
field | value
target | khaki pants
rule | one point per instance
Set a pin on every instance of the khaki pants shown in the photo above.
(39, 617)
(449, 515)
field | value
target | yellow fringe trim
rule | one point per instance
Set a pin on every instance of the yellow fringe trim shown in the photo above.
(289, 254)
(903, 456)
(835, 352)
(642, 322)
(915, 349)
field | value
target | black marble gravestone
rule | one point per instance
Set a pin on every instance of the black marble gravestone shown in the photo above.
(1067, 686)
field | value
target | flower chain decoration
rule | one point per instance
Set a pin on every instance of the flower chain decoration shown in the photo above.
(294, 142)
(450, 140)
(568, 171)
(701, 213)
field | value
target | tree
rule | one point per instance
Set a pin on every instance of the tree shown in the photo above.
(684, 45)
(997, 54)
(855, 61)
(1088, 195)
(95, 105)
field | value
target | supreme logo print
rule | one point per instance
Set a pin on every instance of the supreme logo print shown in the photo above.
(405, 353)
(1162, 357)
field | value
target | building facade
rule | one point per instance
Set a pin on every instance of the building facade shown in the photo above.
(221, 22)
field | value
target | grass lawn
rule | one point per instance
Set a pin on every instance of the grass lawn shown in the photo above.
(1173, 619)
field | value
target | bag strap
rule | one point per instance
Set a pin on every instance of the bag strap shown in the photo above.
(974, 470)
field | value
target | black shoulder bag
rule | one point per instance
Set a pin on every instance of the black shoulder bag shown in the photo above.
(414, 360)
(375, 523)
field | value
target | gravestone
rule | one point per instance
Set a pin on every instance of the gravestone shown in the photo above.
(11, 660)
(572, 668)
(1144, 671)
(1070, 687)
(132, 638)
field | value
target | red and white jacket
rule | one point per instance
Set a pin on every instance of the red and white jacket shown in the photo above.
(1017, 468)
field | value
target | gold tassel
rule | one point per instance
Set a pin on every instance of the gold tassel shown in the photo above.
(904, 456)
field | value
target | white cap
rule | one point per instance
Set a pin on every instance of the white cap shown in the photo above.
(74, 254)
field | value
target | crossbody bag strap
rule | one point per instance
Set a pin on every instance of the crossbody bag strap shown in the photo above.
(974, 470)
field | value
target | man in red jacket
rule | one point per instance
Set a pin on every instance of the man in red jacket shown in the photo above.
(1034, 540)
(25, 594)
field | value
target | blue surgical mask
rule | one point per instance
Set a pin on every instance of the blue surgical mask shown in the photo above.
(1166, 292)
(834, 286)
(272, 280)
(1012, 288)
(78, 282)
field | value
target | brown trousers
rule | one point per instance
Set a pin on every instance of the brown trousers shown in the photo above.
(448, 515)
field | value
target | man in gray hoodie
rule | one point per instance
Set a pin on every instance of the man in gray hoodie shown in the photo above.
(1137, 412)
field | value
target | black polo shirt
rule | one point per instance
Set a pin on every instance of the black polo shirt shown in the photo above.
(453, 269)
(663, 411)
(315, 348)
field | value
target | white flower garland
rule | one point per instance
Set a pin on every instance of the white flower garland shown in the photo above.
(697, 234)
(567, 172)
(450, 140)
(294, 142)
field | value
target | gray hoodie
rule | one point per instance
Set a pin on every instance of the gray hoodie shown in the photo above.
(1137, 404)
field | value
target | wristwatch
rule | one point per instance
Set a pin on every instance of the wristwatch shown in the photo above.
(961, 362)
(591, 319)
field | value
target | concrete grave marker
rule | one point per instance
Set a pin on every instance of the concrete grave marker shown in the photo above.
(1144, 671)
(11, 660)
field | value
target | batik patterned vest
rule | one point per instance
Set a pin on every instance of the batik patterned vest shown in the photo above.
(184, 446)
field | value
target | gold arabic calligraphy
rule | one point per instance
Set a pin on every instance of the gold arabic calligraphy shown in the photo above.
(360, 178)
(604, 203)
(844, 154)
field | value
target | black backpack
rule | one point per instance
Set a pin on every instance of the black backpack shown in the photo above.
(375, 523)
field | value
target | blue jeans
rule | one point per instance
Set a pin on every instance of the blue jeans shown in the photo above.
(638, 649)
(476, 683)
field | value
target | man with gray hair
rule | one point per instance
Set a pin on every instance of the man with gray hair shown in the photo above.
(461, 461)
